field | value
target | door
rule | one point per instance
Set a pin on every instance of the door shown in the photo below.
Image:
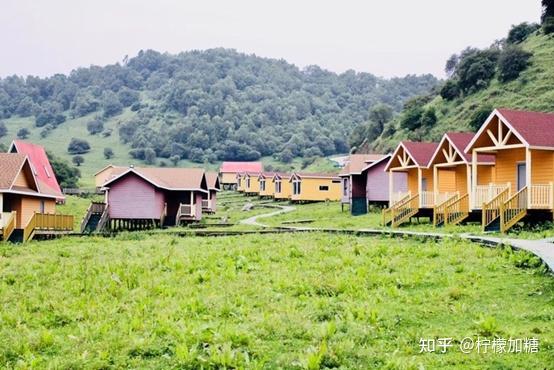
(424, 184)
(521, 176)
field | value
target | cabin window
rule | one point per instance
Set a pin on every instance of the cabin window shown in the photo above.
(239, 181)
(296, 187)
(47, 172)
(323, 188)
(262, 185)
(277, 186)
(42, 206)
(248, 182)
(345, 187)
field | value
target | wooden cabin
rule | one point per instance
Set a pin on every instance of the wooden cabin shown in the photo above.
(209, 200)
(229, 170)
(140, 198)
(313, 187)
(27, 204)
(282, 186)
(251, 183)
(452, 178)
(42, 169)
(267, 189)
(106, 173)
(241, 182)
(418, 200)
(364, 181)
(520, 187)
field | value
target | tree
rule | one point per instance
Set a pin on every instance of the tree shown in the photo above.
(23, 133)
(174, 159)
(429, 117)
(476, 68)
(512, 62)
(77, 160)
(451, 64)
(480, 116)
(66, 175)
(450, 90)
(547, 10)
(548, 25)
(95, 126)
(108, 153)
(379, 115)
(149, 156)
(518, 33)
(3, 129)
(111, 104)
(78, 146)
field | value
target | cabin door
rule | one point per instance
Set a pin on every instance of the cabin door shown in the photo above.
(521, 176)
(424, 184)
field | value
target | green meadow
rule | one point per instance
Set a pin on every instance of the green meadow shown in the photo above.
(302, 301)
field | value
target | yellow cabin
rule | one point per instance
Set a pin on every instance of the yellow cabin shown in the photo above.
(27, 205)
(521, 181)
(282, 187)
(267, 189)
(228, 172)
(452, 177)
(106, 173)
(241, 182)
(315, 187)
(251, 183)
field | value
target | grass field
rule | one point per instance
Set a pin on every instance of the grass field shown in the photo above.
(290, 301)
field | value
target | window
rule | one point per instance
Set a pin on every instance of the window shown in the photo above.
(239, 181)
(262, 185)
(278, 186)
(323, 188)
(345, 187)
(296, 187)
(42, 206)
(248, 182)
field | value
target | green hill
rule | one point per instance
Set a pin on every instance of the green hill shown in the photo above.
(199, 108)
(532, 90)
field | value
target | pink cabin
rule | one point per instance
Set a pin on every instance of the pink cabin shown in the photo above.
(145, 197)
(364, 182)
(209, 200)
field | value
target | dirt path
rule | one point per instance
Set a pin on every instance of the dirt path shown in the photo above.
(253, 221)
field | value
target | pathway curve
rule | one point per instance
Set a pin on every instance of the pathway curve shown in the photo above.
(253, 221)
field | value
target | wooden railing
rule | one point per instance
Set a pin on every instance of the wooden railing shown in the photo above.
(491, 209)
(104, 219)
(439, 211)
(399, 197)
(485, 193)
(52, 221)
(8, 224)
(205, 204)
(427, 199)
(541, 196)
(513, 209)
(29, 229)
(443, 197)
(184, 210)
(94, 207)
(387, 214)
(457, 210)
(405, 211)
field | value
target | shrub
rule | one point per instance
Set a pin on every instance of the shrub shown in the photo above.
(174, 159)
(479, 116)
(149, 156)
(512, 62)
(78, 146)
(548, 25)
(66, 175)
(108, 153)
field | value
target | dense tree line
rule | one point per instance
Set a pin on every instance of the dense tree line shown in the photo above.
(212, 105)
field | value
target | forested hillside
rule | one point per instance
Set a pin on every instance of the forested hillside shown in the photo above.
(200, 106)
(516, 72)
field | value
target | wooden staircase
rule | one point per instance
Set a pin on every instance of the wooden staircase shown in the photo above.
(387, 213)
(491, 211)
(440, 211)
(514, 209)
(184, 213)
(457, 210)
(405, 211)
(95, 219)
(8, 219)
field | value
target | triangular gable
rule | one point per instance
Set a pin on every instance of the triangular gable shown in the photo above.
(448, 152)
(401, 158)
(26, 177)
(496, 132)
(385, 158)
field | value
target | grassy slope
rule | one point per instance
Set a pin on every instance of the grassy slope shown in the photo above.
(533, 90)
(293, 301)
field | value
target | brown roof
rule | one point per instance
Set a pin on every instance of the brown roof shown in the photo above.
(212, 179)
(168, 178)
(357, 162)
(316, 175)
(460, 140)
(10, 166)
(536, 128)
(421, 153)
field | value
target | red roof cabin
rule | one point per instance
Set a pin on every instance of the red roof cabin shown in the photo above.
(229, 170)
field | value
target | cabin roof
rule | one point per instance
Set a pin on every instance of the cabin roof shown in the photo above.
(11, 165)
(241, 167)
(281, 175)
(420, 152)
(326, 176)
(212, 178)
(166, 178)
(385, 158)
(356, 163)
(536, 128)
(40, 165)
(459, 141)
(266, 175)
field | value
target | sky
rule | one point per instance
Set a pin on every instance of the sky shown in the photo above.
(386, 38)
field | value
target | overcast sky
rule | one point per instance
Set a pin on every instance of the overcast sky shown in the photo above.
(387, 38)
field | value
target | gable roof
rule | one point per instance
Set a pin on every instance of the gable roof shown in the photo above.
(167, 178)
(11, 165)
(357, 162)
(420, 152)
(212, 178)
(40, 165)
(459, 141)
(533, 129)
(385, 158)
(326, 176)
(281, 175)
(241, 167)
